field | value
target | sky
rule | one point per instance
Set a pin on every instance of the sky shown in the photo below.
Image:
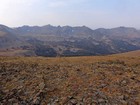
(91, 13)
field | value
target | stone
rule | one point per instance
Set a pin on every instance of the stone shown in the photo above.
(41, 86)
(124, 82)
(36, 101)
(70, 97)
(101, 100)
(121, 97)
(15, 104)
(73, 101)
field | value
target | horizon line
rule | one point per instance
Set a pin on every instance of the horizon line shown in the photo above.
(69, 26)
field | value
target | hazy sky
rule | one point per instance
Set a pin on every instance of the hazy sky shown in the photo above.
(92, 13)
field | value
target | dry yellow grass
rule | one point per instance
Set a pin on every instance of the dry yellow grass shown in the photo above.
(129, 54)
(13, 52)
(96, 80)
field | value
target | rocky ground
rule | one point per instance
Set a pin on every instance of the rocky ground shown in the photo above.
(109, 80)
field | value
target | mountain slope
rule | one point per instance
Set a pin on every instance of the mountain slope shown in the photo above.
(69, 41)
(52, 30)
(11, 44)
(8, 38)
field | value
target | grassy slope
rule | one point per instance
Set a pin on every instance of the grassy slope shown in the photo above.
(13, 52)
(16, 52)
(113, 79)
(129, 54)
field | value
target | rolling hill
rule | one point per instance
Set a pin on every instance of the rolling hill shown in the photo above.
(96, 80)
(129, 54)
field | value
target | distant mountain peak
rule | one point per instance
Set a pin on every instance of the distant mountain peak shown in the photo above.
(51, 40)
(124, 28)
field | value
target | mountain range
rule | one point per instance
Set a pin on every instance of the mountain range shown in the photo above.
(54, 41)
